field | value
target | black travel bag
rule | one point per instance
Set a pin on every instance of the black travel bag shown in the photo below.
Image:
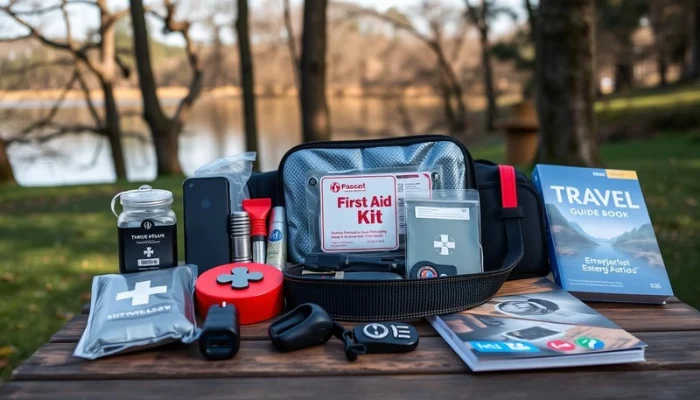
(512, 227)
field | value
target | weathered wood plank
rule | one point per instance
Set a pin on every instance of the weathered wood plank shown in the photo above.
(585, 385)
(673, 300)
(667, 350)
(646, 318)
(73, 329)
(631, 317)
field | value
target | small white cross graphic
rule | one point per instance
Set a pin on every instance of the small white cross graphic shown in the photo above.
(444, 245)
(148, 252)
(141, 293)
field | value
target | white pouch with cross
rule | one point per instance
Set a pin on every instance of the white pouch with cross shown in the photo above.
(140, 310)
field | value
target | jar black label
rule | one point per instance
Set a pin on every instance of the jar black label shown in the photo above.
(148, 247)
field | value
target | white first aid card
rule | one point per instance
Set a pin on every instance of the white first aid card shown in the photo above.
(359, 213)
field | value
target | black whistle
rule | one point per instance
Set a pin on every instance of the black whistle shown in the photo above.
(220, 338)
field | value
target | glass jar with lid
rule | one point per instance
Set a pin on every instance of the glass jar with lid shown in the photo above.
(147, 230)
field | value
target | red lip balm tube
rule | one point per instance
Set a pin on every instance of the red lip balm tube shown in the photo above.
(257, 210)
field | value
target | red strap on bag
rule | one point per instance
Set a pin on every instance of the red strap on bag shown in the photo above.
(509, 192)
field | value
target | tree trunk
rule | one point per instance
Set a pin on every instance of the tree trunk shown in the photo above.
(459, 126)
(451, 90)
(624, 75)
(694, 71)
(624, 63)
(312, 96)
(291, 42)
(447, 104)
(565, 82)
(247, 79)
(106, 78)
(167, 149)
(6, 174)
(491, 108)
(663, 68)
(164, 133)
(113, 130)
(531, 19)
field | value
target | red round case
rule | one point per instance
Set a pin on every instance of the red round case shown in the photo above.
(255, 290)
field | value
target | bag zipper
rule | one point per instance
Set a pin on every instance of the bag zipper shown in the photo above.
(365, 143)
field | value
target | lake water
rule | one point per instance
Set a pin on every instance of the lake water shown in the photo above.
(215, 130)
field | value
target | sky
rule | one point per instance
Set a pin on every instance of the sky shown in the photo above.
(84, 17)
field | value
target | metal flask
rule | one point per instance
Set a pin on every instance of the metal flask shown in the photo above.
(239, 229)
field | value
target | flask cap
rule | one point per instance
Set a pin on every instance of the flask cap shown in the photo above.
(144, 196)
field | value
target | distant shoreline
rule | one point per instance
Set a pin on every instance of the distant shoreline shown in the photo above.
(422, 95)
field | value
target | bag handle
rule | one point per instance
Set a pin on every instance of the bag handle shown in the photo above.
(366, 300)
(511, 212)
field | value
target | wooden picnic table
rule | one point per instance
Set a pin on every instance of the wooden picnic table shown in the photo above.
(672, 369)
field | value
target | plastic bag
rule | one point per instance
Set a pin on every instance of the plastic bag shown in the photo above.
(237, 169)
(362, 211)
(443, 234)
(139, 310)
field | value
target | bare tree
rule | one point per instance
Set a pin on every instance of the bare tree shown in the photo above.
(247, 78)
(668, 19)
(620, 18)
(480, 17)
(694, 70)
(565, 81)
(531, 17)
(312, 96)
(449, 83)
(658, 18)
(291, 42)
(165, 129)
(6, 173)
(105, 68)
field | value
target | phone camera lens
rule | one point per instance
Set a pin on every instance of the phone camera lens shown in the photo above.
(191, 185)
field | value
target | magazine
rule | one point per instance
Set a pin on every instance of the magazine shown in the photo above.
(532, 323)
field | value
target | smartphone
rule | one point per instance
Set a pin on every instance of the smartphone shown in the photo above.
(207, 206)
(532, 333)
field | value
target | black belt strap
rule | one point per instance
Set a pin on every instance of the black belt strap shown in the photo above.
(366, 301)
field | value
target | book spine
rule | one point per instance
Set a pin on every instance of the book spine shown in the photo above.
(553, 262)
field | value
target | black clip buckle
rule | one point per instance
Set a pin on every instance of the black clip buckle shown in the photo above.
(352, 349)
(305, 326)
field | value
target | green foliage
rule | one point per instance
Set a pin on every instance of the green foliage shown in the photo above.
(652, 109)
(505, 51)
(520, 52)
(52, 242)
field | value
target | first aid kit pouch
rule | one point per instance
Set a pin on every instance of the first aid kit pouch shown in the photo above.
(512, 223)
(140, 310)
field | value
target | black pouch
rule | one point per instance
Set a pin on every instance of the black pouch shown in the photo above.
(512, 227)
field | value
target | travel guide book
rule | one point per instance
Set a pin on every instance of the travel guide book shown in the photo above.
(532, 324)
(602, 245)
